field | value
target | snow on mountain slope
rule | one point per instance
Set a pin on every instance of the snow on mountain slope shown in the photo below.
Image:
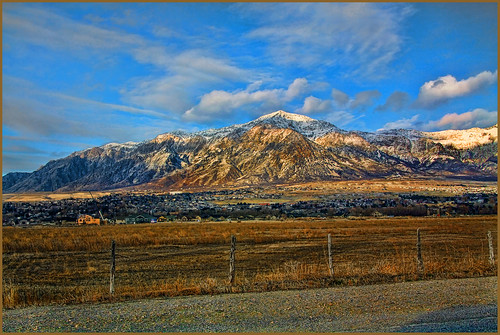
(464, 139)
(459, 139)
(302, 124)
(287, 116)
(126, 145)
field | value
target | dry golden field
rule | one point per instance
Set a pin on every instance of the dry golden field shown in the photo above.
(59, 265)
(50, 196)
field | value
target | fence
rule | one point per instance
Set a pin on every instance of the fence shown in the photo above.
(419, 261)
(66, 265)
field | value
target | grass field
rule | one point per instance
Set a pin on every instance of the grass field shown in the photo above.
(59, 265)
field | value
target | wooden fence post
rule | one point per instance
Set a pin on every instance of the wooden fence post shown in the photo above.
(112, 271)
(420, 262)
(490, 246)
(330, 260)
(231, 259)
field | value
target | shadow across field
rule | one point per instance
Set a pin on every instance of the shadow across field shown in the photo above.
(54, 265)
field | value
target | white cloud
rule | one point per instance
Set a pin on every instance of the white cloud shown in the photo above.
(364, 99)
(361, 100)
(47, 29)
(195, 63)
(395, 102)
(44, 114)
(297, 88)
(152, 54)
(254, 86)
(179, 76)
(162, 31)
(340, 98)
(218, 103)
(165, 93)
(185, 77)
(108, 106)
(41, 27)
(436, 92)
(476, 118)
(362, 38)
(342, 118)
(402, 124)
(314, 105)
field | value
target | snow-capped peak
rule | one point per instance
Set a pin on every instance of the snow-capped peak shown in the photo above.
(285, 115)
(111, 146)
(126, 145)
(302, 124)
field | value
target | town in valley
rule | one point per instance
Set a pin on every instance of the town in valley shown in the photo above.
(351, 199)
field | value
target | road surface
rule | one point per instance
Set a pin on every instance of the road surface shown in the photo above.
(456, 305)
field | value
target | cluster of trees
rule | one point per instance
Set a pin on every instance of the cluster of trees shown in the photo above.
(390, 211)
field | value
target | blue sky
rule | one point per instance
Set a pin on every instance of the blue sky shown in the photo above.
(77, 75)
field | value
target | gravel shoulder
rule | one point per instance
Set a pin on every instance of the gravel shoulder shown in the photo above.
(454, 305)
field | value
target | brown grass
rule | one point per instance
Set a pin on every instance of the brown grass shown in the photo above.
(62, 265)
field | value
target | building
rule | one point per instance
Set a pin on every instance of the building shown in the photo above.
(87, 219)
(143, 218)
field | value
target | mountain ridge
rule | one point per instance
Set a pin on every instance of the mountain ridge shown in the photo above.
(279, 147)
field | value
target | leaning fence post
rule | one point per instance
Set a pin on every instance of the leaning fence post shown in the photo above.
(231, 259)
(490, 245)
(330, 261)
(112, 271)
(420, 262)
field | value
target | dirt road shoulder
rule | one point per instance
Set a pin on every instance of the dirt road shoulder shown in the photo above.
(439, 305)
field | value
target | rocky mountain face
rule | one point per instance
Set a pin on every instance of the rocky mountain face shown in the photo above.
(13, 178)
(276, 148)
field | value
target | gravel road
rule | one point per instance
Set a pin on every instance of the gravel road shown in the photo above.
(455, 305)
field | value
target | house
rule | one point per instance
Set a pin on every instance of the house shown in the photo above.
(142, 218)
(130, 220)
(87, 219)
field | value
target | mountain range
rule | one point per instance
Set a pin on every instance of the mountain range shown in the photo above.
(275, 148)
